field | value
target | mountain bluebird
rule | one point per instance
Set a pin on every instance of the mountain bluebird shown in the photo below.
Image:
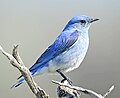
(68, 50)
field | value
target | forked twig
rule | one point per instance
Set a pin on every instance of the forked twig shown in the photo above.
(65, 90)
(17, 62)
(83, 90)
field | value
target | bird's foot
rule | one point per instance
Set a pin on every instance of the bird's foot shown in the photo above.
(65, 77)
(68, 80)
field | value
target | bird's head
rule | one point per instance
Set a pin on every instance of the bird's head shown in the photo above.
(80, 22)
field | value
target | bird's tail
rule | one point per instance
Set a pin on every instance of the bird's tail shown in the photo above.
(19, 82)
(21, 78)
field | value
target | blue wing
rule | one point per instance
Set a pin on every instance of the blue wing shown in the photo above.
(62, 43)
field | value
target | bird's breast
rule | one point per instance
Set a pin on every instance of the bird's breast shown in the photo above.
(71, 58)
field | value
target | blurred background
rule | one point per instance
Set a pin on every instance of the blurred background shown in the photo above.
(34, 24)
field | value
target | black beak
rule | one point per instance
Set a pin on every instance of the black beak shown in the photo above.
(93, 20)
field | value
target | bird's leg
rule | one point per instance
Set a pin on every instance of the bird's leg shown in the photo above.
(64, 77)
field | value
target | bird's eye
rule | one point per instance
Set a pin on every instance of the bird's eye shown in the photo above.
(83, 21)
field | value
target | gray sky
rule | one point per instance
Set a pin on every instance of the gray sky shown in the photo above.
(34, 24)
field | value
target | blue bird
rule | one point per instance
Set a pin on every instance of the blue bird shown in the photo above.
(68, 50)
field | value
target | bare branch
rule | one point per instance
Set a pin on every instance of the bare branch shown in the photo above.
(16, 61)
(65, 90)
(86, 91)
(109, 91)
(16, 55)
(6, 54)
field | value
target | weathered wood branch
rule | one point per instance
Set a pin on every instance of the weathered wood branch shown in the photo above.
(64, 90)
(67, 87)
(16, 55)
(16, 61)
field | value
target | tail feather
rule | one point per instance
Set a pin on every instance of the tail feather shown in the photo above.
(19, 77)
(18, 83)
(21, 80)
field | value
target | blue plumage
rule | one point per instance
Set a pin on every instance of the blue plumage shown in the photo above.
(61, 44)
(68, 50)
